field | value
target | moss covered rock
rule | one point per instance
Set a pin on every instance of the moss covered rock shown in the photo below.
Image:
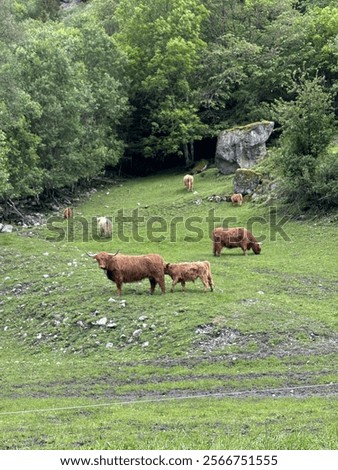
(246, 181)
(243, 146)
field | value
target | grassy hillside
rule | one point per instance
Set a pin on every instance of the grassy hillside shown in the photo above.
(251, 365)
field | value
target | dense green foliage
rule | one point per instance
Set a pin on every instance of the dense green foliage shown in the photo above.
(307, 132)
(85, 86)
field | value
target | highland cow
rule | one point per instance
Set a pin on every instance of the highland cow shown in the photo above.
(234, 238)
(68, 213)
(124, 269)
(105, 227)
(237, 199)
(188, 182)
(182, 272)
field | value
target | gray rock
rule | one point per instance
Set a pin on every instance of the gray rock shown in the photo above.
(246, 181)
(242, 147)
(6, 228)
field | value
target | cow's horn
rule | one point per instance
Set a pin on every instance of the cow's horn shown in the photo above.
(115, 253)
(91, 255)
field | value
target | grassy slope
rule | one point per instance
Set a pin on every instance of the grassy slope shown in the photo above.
(270, 324)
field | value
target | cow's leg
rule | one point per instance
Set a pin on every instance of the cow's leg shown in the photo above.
(205, 282)
(211, 284)
(183, 285)
(119, 288)
(161, 283)
(173, 285)
(152, 284)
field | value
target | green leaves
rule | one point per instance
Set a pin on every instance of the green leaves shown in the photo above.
(162, 41)
(308, 125)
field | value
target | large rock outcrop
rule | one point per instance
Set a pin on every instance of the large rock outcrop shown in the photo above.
(242, 147)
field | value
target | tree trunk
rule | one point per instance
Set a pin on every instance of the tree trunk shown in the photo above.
(188, 151)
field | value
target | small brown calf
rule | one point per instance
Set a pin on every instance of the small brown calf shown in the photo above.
(182, 272)
(68, 213)
(237, 199)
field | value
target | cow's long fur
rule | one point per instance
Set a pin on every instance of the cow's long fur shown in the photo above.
(123, 269)
(188, 181)
(182, 272)
(105, 227)
(237, 198)
(237, 237)
(68, 213)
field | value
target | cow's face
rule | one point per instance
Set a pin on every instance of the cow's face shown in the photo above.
(257, 247)
(167, 269)
(102, 259)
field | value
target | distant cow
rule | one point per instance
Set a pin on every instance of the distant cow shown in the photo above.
(182, 272)
(123, 268)
(237, 199)
(68, 213)
(105, 227)
(188, 182)
(234, 238)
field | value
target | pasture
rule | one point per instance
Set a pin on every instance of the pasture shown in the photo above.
(252, 365)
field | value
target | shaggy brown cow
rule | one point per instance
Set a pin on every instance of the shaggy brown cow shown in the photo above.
(122, 268)
(237, 199)
(105, 227)
(68, 213)
(182, 272)
(234, 238)
(188, 181)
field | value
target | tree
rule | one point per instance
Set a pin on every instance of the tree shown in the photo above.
(307, 128)
(68, 72)
(163, 45)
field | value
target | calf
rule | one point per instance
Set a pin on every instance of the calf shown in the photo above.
(182, 272)
(105, 227)
(68, 213)
(234, 238)
(123, 268)
(188, 181)
(237, 199)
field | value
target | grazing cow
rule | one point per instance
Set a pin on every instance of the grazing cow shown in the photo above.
(105, 227)
(123, 268)
(188, 182)
(182, 272)
(237, 199)
(234, 238)
(68, 213)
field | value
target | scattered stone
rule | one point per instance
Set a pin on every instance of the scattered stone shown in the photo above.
(101, 322)
(6, 228)
(215, 198)
(109, 345)
(137, 333)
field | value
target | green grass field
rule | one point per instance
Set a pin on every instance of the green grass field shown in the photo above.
(252, 365)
